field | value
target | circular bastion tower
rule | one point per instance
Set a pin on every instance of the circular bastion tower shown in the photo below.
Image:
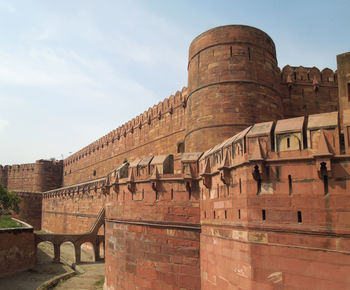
(233, 82)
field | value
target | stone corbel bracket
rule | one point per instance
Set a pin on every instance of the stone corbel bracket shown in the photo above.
(323, 157)
(257, 160)
(155, 180)
(207, 175)
(130, 181)
(224, 170)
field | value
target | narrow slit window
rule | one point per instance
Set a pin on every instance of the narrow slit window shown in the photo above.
(231, 51)
(290, 185)
(263, 214)
(225, 214)
(348, 92)
(214, 214)
(325, 184)
(300, 218)
(205, 214)
(288, 142)
(239, 214)
(240, 186)
(172, 194)
(249, 53)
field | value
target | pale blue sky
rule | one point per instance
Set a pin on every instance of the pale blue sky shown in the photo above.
(71, 71)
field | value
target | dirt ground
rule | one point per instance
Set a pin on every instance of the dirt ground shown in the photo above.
(45, 270)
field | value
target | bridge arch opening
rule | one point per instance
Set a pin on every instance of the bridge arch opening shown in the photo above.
(87, 252)
(41, 251)
(67, 251)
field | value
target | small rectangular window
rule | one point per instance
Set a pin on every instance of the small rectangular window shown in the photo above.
(300, 219)
(225, 214)
(239, 214)
(290, 185)
(263, 213)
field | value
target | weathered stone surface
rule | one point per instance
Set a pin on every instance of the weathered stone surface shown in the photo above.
(266, 206)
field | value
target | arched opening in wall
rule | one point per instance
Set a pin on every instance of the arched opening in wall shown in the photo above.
(180, 147)
(67, 251)
(87, 252)
(101, 248)
(101, 244)
(44, 252)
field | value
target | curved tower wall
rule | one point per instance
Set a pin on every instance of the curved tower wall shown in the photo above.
(233, 82)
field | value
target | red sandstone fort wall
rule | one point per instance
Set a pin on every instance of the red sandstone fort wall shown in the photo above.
(72, 209)
(17, 250)
(307, 91)
(156, 131)
(33, 177)
(152, 220)
(30, 208)
(271, 201)
(233, 82)
(293, 229)
(152, 227)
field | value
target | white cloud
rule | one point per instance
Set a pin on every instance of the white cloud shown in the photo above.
(3, 124)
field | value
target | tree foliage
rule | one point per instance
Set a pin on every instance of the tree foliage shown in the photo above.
(8, 201)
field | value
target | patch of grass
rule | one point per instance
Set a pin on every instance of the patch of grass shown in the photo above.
(7, 222)
(99, 283)
(41, 232)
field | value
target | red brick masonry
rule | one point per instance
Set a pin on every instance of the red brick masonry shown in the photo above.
(240, 181)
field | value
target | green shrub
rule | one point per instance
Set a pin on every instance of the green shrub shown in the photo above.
(9, 201)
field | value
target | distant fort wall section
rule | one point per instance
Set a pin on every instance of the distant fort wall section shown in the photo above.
(40, 176)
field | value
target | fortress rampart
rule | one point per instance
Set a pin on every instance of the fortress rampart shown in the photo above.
(158, 130)
(240, 180)
(233, 82)
(40, 176)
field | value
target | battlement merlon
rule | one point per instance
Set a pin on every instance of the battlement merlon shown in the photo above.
(155, 113)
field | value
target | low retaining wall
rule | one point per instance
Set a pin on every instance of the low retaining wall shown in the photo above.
(17, 250)
(30, 208)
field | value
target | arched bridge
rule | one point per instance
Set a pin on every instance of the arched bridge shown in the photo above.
(91, 236)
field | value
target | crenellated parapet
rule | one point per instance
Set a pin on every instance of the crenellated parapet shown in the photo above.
(153, 114)
(308, 75)
(143, 189)
(32, 177)
(91, 187)
(307, 90)
(158, 124)
(270, 167)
